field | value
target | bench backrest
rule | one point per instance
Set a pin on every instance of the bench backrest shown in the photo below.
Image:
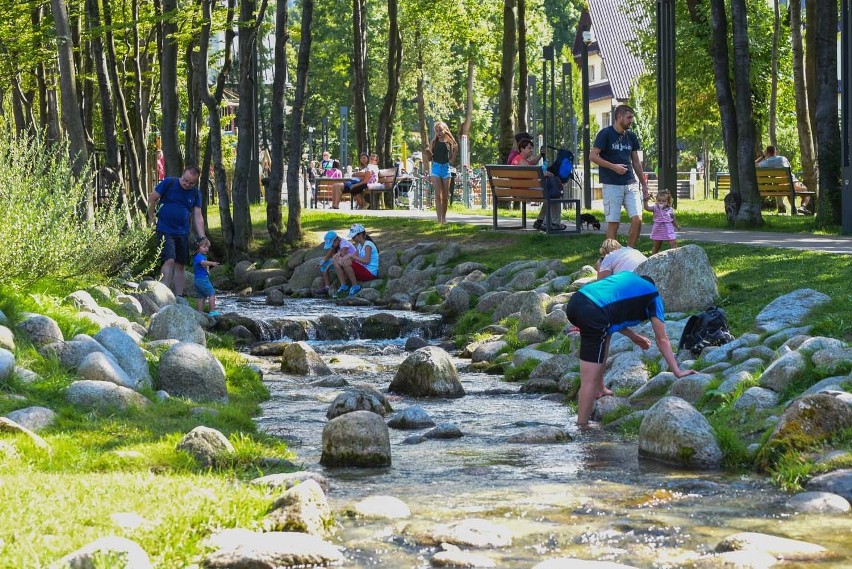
(515, 182)
(324, 187)
(387, 176)
(774, 180)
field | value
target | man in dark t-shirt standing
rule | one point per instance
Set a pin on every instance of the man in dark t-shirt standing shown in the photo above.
(180, 200)
(616, 152)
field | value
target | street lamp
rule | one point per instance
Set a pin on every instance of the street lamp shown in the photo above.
(588, 39)
(845, 123)
(531, 102)
(310, 146)
(666, 98)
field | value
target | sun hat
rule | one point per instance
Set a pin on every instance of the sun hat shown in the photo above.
(356, 229)
(329, 240)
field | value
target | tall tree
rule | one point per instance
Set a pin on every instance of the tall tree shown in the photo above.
(359, 75)
(68, 88)
(279, 79)
(523, 70)
(169, 100)
(250, 20)
(800, 88)
(384, 129)
(506, 79)
(212, 102)
(193, 96)
(773, 90)
(826, 114)
(297, 120)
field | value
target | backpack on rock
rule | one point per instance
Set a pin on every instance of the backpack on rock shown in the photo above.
(708, 328)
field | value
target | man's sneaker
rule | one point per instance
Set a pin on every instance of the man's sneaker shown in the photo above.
(214, 313)
(342, 290)
(355, 290)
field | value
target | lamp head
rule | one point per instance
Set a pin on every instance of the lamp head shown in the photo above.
(588, 37)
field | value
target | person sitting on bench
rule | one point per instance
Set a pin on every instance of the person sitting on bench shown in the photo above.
(771, 159)
(357, 184)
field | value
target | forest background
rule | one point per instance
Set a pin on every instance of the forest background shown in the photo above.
(107, 82)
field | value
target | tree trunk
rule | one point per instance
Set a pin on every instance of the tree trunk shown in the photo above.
(523, 69)
(828, 205)
(724, 95)
(111, 176)
(134, 166)
(384, 129)
(750, 208)
(276, 155)
(70, 109)
(421, 105)
(169, 101)
(294, 211)
(468, 105)
(212, 101)
(48, 113)
(810, 60)
(139, 116)
(359, 75)
(773, 88)
(800, 88)
(193, 107)
(250, 20)
(506, 80)
(22, 109)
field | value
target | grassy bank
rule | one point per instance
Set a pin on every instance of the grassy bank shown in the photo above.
(105, 463)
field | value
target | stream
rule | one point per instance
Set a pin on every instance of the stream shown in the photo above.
(590, 498)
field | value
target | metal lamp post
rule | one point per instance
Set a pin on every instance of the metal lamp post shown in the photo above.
(845, 108)
(666, 99)
(531, 102)
(588, 38)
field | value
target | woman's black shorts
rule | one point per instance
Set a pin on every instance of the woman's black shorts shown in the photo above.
(593, 323)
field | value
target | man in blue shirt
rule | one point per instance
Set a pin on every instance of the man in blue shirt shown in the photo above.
(604, 307)
(179, 199)
(616, 152)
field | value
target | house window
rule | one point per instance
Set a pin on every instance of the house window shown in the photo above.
(591, 73)
(603, 70)
(606, 119)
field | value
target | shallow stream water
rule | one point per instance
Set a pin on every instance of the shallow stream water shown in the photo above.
(591, 498)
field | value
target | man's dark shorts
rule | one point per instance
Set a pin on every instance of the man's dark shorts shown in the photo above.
(349, 189)
(174, 247)
(592, 322)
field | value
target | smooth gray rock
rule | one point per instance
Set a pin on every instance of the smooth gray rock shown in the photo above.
(783, 371)
(7, 364)
(837, 482)
(684, 278)
(103, 395)
(428, 372)
(158, 293)
(444, 431)
(244, 549)
(189, 370)
(359, 398)
(756, 398)
(540, 435)
(487, 351)
(626, 371)
(358, 439)
(690, 388)
(818, 503)
(206, 445)
(123, 554)
(287, 480)
(413, 417)
(789, 310)
(674, 432)
(72, 353)
(7, 339)
(33, 418)
(42, 330)
(472, 532)
(771, 544)
(299, 358)
(97, 366)
(129, 355)
(656, 386)
(303, 508)
(178, 322)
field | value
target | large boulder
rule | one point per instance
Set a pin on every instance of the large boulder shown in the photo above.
(72, 353)
(189, 370)
(33, 418)
(7, 364)
(120, 552)
(206, 445)
(244, 549)
(157, 292)
(42, 330)
(808, 421)
(103, 395)
(789, 310)
(427, 372)
(302, 508)
(359, 398)
(178, 322)
(97, 366)
(783, 371)
(684, 277)
(674, 432)
(128, 354)
(299, 358)
(304, 275)
(357, 439)
(837, 482)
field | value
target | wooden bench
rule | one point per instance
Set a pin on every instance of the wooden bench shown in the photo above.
(771, 182)
(324, 192)
(525, 184)
(385, 185)
(778, 182)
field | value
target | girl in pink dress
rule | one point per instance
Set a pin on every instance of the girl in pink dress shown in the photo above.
(664, 221)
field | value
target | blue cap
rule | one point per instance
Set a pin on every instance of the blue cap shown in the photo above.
(329, 240)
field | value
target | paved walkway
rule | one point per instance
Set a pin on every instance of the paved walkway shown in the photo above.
(829, 244)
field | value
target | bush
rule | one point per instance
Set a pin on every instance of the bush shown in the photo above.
(43, 230)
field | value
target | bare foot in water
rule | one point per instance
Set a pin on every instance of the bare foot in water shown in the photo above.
(605, 391)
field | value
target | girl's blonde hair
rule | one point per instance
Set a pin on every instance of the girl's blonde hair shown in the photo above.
(666, 195)
(450, 140)
(608, 246)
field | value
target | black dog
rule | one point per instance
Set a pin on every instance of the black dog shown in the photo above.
(589, 219)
